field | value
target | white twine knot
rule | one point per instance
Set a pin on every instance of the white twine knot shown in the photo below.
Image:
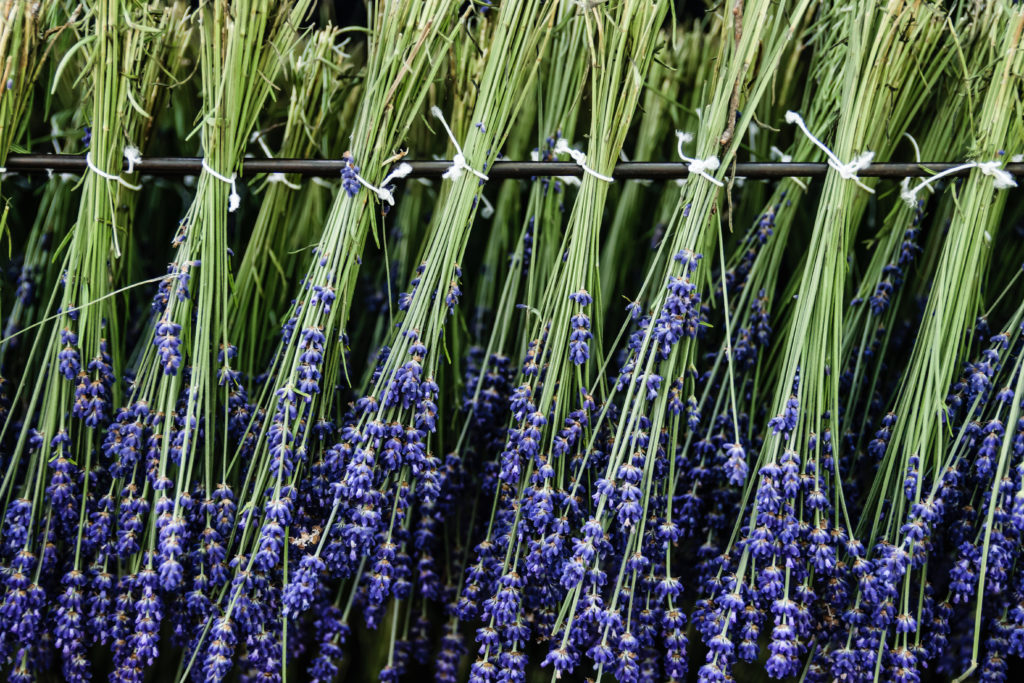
(316, 180)
(562, 147)
(257, 137)
(109, 176)
(382, 192)
(697, 166)
(847, 171)
(234, 201)
(283, 179)
(276, 177)
(1001, 177)
(459, 163)
(133, 156)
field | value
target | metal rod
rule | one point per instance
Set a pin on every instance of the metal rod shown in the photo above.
(172, 166)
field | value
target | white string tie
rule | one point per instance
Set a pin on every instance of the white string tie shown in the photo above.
(109, 176)
(697, 166)
(776, 153)
(562, 147)
(459, 163)
(276, 177)
(846, 171)
(233, 199)
(1017, 158)
(382, 192)
(567, 179)
(63, 177)
(133, 156)
(316, 180)
(1003, 179)
(1001, 176)
(281, 178)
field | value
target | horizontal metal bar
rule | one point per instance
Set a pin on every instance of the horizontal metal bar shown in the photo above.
(171, 166)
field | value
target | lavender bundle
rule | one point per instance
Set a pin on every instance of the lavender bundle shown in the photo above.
(628, 507)
(798, 527)
(384, 456)
(922, 469)
(51, 489)
(144, 514)
(532, 508)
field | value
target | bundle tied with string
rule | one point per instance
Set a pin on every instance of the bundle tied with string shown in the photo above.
(234, 200)
(1002, 179)
(459, 163)
(131, 154)
(383, 192)
(562, 147)
(697, 166)
(848, 170)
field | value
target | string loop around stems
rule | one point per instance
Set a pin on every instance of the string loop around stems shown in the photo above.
(459, 163)
(113, 176)
(234, 200)
(697, 166)
(1001, 177)
(383, 192)
(847, 171)
(562, 147)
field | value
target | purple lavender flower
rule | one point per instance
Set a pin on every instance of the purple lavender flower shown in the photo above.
(349, 171)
